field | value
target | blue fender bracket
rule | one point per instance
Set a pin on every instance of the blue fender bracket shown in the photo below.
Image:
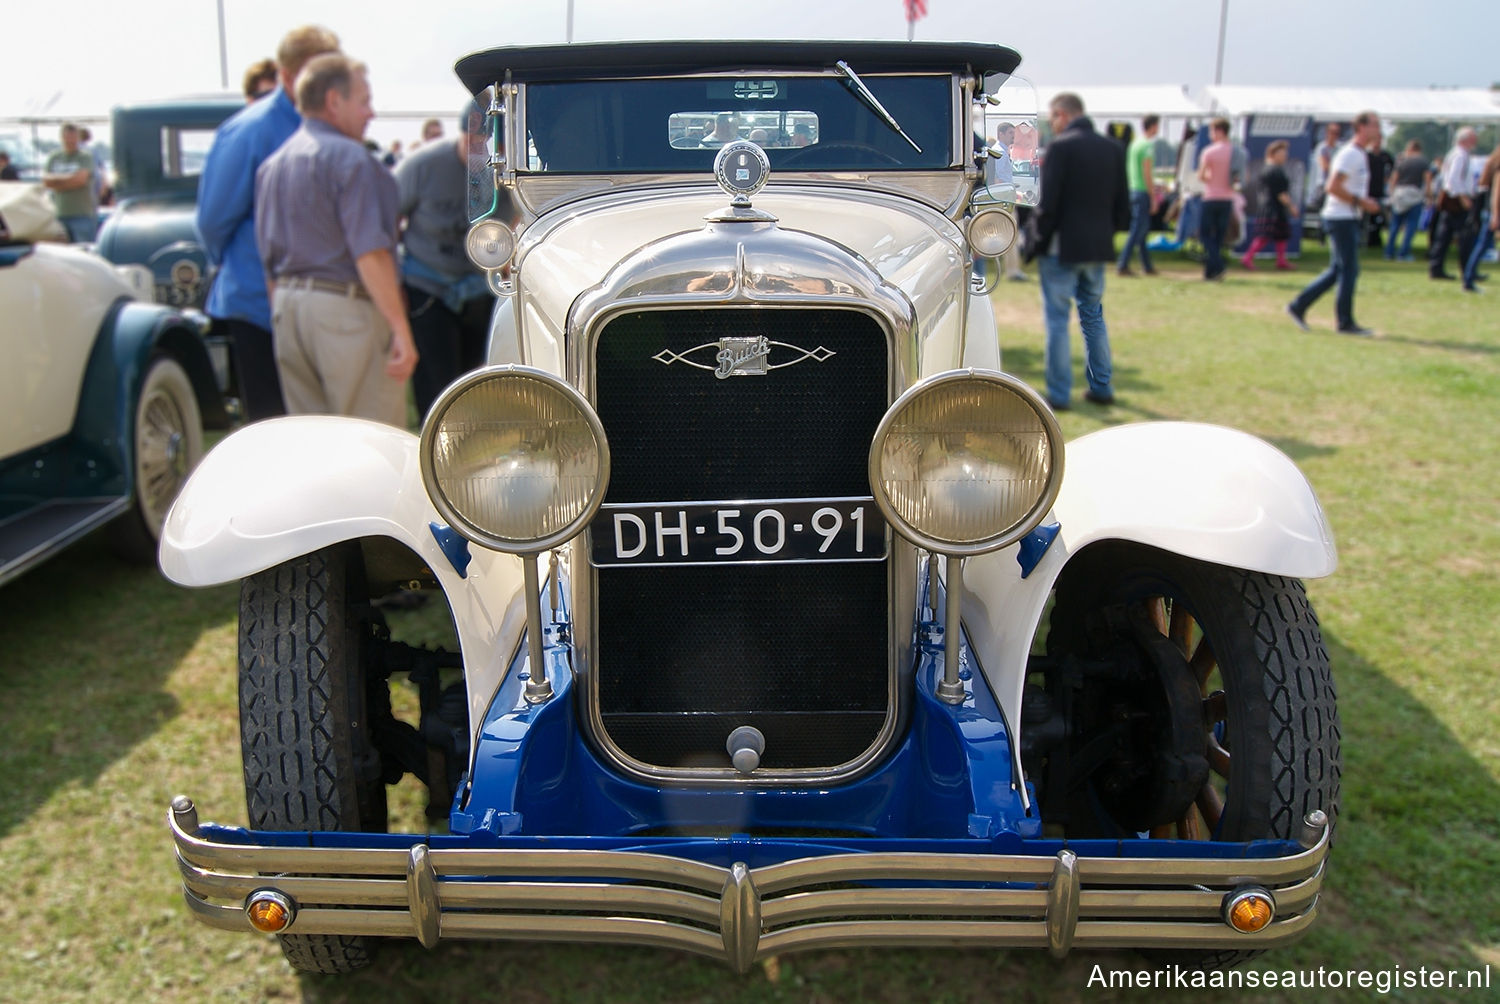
(1034, 545)
(454, 546)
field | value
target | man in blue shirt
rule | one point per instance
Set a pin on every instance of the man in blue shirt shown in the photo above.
(226, 221)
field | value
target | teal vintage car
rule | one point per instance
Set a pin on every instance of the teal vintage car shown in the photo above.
(159, 149)
(105, 396)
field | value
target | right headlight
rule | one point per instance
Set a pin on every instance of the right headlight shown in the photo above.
(514, 458)
(490, 244)
(992, 232)
(966, 462)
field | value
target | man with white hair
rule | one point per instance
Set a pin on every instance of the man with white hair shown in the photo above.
(326, 225)
(1455, 203)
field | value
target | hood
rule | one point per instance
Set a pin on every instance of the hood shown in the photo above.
(882, 253)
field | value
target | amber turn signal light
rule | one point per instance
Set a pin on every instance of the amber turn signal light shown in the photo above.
(1249, 910)
(269, 911)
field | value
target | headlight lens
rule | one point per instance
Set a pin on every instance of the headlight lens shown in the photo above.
(966, 462)
(514, 458)
(992, 232)
(490, 244)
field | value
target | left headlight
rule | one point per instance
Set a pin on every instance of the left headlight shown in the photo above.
(514, 458)
(992, 232)
(966, 462)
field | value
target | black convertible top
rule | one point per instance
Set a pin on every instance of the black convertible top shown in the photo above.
(615, 59)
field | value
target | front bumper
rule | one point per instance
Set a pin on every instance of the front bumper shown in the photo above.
(1097, 896)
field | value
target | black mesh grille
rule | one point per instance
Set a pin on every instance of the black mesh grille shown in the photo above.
(687, 654)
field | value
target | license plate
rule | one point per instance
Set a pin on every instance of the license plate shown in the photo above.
(742, 532)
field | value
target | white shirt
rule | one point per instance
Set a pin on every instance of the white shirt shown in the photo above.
(1457, 178)
(998, 169)
(1354, 164)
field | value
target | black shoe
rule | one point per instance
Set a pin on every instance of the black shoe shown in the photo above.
(1471, 288)
(1065, 406)
(1105, 399)
(1126, 272)
(1297, 318)
(1481, 276)
(1150, 271)
(1441, 275)
(1354, 329)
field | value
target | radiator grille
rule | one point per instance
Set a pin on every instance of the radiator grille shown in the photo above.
(800, 651)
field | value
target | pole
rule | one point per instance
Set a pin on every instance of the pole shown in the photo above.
(223, 51)
(570, 20)
(1223, 25)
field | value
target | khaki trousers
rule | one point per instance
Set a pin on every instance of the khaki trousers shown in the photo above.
(331, 352)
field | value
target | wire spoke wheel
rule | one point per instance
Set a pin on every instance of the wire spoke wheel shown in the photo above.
(1210, 693)
(166, 444)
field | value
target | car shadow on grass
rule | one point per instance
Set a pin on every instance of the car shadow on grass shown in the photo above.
(1411, 884)
(88, 642)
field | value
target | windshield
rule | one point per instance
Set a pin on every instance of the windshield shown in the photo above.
(804, 123)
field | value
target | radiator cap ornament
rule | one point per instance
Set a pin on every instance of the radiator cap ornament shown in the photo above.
(741, 168)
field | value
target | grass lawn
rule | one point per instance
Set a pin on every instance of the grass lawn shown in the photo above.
(119, 691)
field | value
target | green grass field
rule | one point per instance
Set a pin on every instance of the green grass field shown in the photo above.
(119, 691)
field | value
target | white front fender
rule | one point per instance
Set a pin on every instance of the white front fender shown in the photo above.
(281, 488)
(1198, 490)
(1201, 491)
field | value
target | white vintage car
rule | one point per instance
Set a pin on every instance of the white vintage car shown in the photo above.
(105, 397)
(749, 544)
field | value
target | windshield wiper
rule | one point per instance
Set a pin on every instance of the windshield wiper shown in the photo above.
(872, 102)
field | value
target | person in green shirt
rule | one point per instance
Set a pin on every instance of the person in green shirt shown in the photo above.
(69, 174)
(1138, 169)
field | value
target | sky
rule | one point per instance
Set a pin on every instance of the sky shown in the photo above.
(118, 51)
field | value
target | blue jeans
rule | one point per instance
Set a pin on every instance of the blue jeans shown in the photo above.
(1481, 248)
(1213, 230)
(1061, 285)
(1187, 218)
(81, 229)
(1406, 221)
(1140, 225)
(1343, 269)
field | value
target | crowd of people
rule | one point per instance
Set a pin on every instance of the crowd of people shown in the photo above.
(341, 276)
(1093, 186)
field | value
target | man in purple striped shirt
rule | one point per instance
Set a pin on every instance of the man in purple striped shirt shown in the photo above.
(326, 225)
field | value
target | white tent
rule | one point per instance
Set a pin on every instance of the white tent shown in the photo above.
(1394, 104)
(1120, 101)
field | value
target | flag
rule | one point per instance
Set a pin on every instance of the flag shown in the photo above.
(915, 9)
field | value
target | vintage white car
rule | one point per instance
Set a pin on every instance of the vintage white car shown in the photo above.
(749, 545)
(105, 397)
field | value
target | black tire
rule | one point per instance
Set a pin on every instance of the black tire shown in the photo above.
(305, 706)
(1251, 645)
(166, 444)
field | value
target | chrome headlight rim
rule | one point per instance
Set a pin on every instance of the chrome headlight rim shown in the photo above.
(1017, 530)
(987, 216)
(480, 535)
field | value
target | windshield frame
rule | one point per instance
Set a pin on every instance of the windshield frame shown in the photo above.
(948, 154)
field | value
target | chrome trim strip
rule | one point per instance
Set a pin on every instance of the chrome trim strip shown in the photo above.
(740, 914)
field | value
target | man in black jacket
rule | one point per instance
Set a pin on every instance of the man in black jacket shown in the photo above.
(1084, 201)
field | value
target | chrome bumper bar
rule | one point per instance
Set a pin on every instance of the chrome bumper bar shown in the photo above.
(740, 914)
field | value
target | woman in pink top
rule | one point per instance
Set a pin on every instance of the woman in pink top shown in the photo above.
(1214, 170)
